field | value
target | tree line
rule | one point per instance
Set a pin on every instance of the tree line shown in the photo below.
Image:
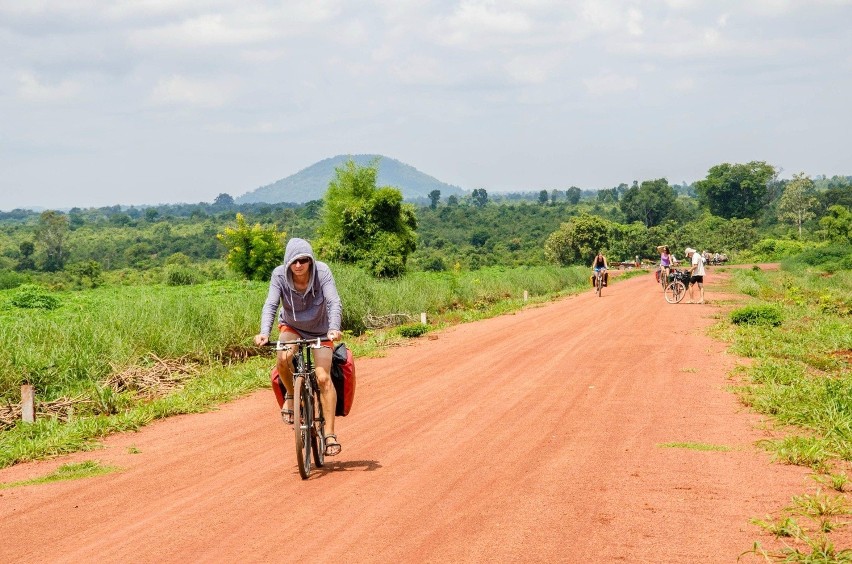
(358, 222)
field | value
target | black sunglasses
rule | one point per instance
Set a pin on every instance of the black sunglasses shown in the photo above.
(302, 260)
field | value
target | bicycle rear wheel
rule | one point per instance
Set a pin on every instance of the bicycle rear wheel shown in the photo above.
(318, 431)
(303, 421)
(675, 292)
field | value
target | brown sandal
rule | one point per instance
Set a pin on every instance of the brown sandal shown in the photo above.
(287, 414)
(332, 447)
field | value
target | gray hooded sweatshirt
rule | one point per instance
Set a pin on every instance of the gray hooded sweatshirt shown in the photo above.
(312, 313)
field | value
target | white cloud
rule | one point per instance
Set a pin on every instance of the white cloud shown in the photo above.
(182, 91)
(609, 83)
(32, 89)
(533, 69)
(474, 20)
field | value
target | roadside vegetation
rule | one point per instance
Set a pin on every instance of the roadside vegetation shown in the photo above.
(797, 326)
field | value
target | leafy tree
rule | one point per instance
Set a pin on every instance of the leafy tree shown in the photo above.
(479, 197)
(543, 197)
(223, 201)
(628, 241)
(838, 224)
(453, 200)
(254, 251)
(573, 195)
(578, 240)
(139, 255)
(51, 232)
(608, 195)
(151, 215)
(26, 261)
(365, 225)
(434, 198)
(736, 190)
(554, 195)
(797, 201)
(651, 202)
(90, 269)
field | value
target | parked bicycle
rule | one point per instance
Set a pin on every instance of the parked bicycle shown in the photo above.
(308, 417)
(676, 288)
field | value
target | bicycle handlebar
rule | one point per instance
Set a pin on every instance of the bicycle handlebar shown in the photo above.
(284, 345)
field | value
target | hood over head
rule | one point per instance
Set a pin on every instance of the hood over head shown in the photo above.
(298, 248)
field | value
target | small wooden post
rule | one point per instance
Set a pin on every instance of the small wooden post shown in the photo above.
(28, 403)
(423, 318)
(526, 295)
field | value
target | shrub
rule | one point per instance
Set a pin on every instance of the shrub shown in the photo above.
(413, 330)
(181, 276)
(757, 315)
(9, 280)
(33, 296)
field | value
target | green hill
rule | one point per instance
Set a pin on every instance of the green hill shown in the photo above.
(312, 182)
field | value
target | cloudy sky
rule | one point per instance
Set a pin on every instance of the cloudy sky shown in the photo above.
(163, 101)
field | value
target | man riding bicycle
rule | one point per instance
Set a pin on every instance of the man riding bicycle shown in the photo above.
(310, 308)
(599, 264)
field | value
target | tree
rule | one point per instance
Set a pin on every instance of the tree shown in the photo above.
(479, 197)
(554, 195)
(453, 200)
(364, 225)
(737, 190)
(254, 251)
(51, 231)
(90, 269)
(578, 240)
(573, 195)
(651, 202)
(838, 224)
(543, 197)
(26, 261)
(797, 201)
(434, 198)
(223, 200)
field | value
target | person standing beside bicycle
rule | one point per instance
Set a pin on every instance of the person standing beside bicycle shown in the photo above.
(600, 264)
(696, 274)
(303, 293)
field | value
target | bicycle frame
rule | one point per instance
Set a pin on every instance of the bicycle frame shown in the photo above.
(309, 419)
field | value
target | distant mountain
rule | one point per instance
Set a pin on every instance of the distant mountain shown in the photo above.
(312, 182)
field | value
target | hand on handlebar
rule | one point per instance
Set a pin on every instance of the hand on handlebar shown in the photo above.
(334, 335)
(261, 340)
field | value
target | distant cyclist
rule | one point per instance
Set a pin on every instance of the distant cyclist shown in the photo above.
(304, 290)
(667, 261)
(600, 265)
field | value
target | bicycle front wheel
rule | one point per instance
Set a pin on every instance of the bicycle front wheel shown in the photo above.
(675, 292)
(600, 284)
(318, 431)
(303, 421)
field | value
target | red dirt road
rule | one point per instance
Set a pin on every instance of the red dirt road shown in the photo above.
(533, 437)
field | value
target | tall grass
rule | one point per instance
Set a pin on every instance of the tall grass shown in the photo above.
(98, 331)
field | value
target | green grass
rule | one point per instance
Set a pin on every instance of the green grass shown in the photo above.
(696, 446)
(71, 471)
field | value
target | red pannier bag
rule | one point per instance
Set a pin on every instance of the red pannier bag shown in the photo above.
(342, 376)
